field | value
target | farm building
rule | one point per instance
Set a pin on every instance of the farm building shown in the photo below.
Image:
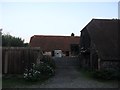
(99, 47)
(56, 45)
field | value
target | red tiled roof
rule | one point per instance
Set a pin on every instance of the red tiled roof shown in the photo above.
(49, 43)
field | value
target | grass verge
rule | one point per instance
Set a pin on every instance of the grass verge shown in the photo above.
(17, 81)
(101, 76)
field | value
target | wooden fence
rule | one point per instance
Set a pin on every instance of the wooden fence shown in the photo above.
(15, 59)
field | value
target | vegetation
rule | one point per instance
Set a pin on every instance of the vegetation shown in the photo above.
(106, 74)
(46, 69)
(17, 81)
(101, 75)
(48, 60)
(37, 74)
(11, 41)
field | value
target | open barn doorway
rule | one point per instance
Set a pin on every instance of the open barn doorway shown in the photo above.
(74, 49)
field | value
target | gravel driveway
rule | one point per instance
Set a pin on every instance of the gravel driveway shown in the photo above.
(67, 76)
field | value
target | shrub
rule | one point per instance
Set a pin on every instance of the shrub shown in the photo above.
(106, 74)
(32, 74)
(48, 60)
(45, 68)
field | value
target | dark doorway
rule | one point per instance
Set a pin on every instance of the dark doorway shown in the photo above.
(67, 53)
(53, 53)
(94, 61)
(74, 49)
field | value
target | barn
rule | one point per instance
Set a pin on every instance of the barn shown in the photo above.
(56, 45)
(100, 41)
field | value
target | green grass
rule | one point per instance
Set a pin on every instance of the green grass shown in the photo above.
(12, 81)
(0, 82)
(85, 73)
(91, 75)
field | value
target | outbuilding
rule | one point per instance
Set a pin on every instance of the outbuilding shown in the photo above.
(99, 44)
(57, 46)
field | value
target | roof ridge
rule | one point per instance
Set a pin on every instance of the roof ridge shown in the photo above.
(102, 19)
(53, 36)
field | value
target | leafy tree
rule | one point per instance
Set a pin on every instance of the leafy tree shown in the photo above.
(0, 37)
(0, 32)
(26, 44)
(11, 41)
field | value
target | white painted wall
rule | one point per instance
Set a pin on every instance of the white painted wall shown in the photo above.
(47, 53)
(58, 53)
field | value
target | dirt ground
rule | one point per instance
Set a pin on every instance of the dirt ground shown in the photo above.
(68, 76)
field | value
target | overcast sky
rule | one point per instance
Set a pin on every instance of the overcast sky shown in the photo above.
(25, 19)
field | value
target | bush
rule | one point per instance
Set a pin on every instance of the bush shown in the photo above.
(106, 74)
(46, 69)
(48, 60)
(32, 74)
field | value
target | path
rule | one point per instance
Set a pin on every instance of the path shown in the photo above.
(67, 76)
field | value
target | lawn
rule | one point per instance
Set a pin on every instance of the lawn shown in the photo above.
(0, 82)
(17, 81)
(93, 75)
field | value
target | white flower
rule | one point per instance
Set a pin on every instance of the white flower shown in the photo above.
(25, 74)
(31, 69)
(41, 62)
(29, 74)
(26, 69)
(38, 72)
(33, 65)
(48, 66)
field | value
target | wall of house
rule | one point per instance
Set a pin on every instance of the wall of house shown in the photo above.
(89, 55)
(85, 49)
(85, 40)
(98, 63)
(74, 49)
(47, 53)
(93, 56)
(110, 64)
(58, 53)
(112, 50)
